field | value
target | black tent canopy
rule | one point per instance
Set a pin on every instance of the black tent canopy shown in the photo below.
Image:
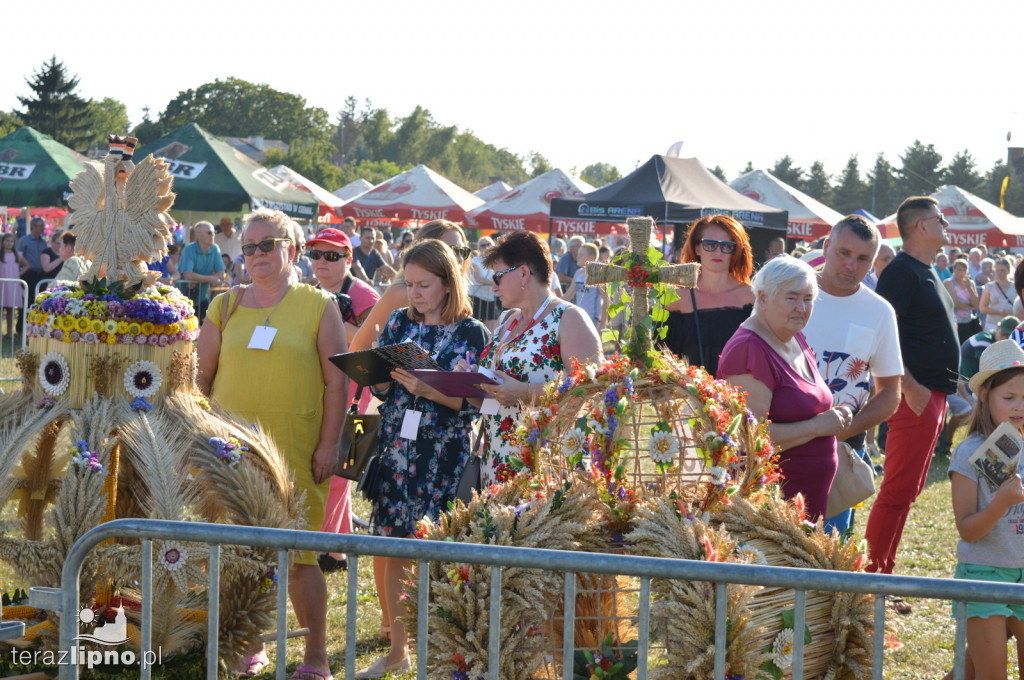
(671, 191)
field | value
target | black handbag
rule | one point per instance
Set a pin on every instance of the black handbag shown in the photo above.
(370, 483)
(358, 441)
(470, 480)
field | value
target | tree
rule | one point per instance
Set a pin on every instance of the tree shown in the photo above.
(238, 108)
(920, 173)
(787, 172)
(748, 169)
(107, 116)
(718, 172)
(9, 122)
(311, 160)
(882, 186)
(850, 193)
(538, 164)
(818, 185)
(350, 125)
(55, 109)
(599, 174)
(962, 171)
(992, 186)
(373, 172)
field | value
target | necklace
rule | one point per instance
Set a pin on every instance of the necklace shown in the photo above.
(273, 309)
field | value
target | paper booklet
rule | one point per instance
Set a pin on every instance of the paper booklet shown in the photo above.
(455, 383)
(373, 366)
(999, 456)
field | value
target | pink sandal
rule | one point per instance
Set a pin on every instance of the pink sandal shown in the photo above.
(254, 665)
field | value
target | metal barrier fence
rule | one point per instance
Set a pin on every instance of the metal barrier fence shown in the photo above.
(646, 568)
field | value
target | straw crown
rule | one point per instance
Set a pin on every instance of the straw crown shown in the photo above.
(999, 356)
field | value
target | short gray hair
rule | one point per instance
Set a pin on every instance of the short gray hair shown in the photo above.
(275, 218)
(783, 274)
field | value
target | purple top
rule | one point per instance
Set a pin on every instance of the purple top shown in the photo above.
(810, 467)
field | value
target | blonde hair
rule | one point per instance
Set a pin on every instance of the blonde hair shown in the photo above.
(282, 223)
(437, 258)
(981, 421)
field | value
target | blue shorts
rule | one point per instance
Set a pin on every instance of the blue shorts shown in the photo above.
(981, 572)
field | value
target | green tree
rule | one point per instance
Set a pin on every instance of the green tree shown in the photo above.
(992, 186)
(920, 172)
(148, 130)
(9, 122)
(538, 164)
(850, 193)
(787, 172)
(748, 169)
(55, 109)
(107, 116)
(235, 107)
(311, 160)
(350, 125)
(885, 197)
(599, 174)
(718, 172)
(962, 171)
(818, 184)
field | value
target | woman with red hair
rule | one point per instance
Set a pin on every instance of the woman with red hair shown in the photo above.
(703, 319)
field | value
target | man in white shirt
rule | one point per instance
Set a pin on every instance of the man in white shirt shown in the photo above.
(853, 333)
(229, 239)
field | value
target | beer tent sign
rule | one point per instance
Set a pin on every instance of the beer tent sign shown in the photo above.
(212, 176)
(35, 169)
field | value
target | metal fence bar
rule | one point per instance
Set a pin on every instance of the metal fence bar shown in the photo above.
(721, 629)
(960, 646)
(352, 616)
(505, 556)
(422, 622)
(494, 624)
(146, 643)
(568, 625)
(213, 613)
(282, 612)
(23, 310)
(799, 623)
(643, 629)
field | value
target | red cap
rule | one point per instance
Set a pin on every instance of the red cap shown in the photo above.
(330, 236)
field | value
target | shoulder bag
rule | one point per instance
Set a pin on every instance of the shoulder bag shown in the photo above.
(358, 441)
(854, 482)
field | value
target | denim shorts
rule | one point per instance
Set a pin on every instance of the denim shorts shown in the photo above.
(980, 572)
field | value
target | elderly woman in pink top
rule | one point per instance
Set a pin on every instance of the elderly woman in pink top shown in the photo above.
(770, 359)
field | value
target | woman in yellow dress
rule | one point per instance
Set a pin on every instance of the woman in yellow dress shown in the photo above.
(264, 357)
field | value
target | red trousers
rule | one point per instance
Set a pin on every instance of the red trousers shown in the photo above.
(908, 453)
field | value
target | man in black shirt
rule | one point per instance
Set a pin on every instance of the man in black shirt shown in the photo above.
(365, 254)
(931, 354)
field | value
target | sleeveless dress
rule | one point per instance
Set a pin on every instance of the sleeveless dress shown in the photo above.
(716, 327)
(1002, 300)
(280, 389)
(420, 476)
(10, 293)
(809, 468)
(533, 357)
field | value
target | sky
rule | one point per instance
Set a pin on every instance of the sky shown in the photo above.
(579, 82)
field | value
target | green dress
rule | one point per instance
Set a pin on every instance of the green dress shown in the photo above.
(280, 389)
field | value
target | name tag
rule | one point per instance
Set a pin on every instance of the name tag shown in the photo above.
(411, 424)
(262, 337)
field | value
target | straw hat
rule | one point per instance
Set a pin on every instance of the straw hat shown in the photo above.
(998, 357)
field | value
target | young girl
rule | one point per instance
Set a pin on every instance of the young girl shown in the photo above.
(987, 516)
(12, 266)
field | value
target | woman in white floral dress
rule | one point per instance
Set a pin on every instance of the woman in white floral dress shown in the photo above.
(535, 339)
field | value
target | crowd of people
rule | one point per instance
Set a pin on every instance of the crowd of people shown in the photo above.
(831, 341)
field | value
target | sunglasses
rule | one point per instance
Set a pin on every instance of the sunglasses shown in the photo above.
(461, 251)
(266, 245)
(500, 275)
(710, 245)
(329, 255)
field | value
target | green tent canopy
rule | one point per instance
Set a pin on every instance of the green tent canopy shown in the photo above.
(35, 169)
(211, 176)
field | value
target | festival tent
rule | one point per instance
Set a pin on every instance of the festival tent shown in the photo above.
(809, 219)
(493, 191)
(528, 206)
(35, 169)
(416, 194)
(329, 203)
(972, 220)
(212, 176)
(354, 188)
(672, 191)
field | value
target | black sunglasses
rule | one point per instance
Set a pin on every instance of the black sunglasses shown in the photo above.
(500, 275)
(710, 245)
(329, 255)
(266, 245)
(462, 251)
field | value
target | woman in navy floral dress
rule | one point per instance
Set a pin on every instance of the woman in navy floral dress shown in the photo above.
(420, 475)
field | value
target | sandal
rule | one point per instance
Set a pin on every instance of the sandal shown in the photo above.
(254, 665)
(305, 672)
(899, 605)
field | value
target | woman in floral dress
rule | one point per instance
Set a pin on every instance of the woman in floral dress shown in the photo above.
(533, 342)
(420, 475)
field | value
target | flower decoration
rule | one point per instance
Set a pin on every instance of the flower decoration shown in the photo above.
(575, 442)
(46, 403)
(140, 404)
(142, 379)
(54, 374)
(82, 457)
(173, 556)
(228, 450)
(751, 555)
(269, 581)
(782, 649)
(663, 447)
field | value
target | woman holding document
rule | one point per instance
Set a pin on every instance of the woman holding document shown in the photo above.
(425, 437)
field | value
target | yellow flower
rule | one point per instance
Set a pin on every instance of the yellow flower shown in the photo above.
(110, 327)
(77, 294)
(111, 338)
(147, 328)
(173, 328)
(66, 337)
(82, 324)
(134, 328)
(158, 329)
(67, 322)
(122, 327)
(97, 326)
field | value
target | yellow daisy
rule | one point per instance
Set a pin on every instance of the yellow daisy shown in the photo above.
(122, 327)
(134, 328)
(97, 326)
(82, 324)
(110, 327)
(147, 328)
(111, 338)
(67, 323)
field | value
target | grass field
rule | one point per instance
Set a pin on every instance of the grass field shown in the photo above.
(928, 549)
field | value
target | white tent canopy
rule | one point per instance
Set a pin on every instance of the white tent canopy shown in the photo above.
(493, 191)
(528, 206)
(808, 218)
(973, 220)
(323, 195)
(352, 189)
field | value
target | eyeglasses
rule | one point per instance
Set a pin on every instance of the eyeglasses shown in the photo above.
(500, 275)
(710, 245)
(266, 245)
(329, 255)
(462, 251)
(941, 218)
